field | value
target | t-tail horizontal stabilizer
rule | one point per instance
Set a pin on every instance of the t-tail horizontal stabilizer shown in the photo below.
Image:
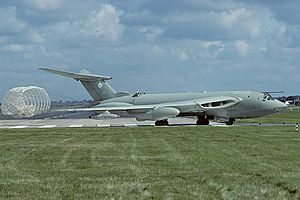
(83, 75)
(94, 84)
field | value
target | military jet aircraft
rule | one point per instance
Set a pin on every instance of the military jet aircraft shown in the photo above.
(225, 106)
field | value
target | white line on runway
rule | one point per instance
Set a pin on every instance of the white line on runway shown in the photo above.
(76, 125)
(47, 126)
(130, 125)
(103, 125)
(18, 127)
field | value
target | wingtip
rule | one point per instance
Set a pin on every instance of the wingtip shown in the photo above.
(42, 68)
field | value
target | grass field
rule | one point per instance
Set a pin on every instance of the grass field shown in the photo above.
(150, 163)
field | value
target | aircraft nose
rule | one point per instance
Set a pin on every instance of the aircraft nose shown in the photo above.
(279, 106)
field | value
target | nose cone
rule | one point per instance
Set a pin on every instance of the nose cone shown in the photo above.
(279, 106)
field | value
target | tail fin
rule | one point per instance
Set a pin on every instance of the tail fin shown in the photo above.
(94, 84)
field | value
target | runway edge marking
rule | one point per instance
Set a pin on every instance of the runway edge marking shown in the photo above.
(47, 126)
(102, 125)
(19, 126)
(76, 126)
(130, 125)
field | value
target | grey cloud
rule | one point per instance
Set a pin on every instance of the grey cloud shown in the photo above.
(236, 23)
(286, 11)
(100, 27)
(10, 24)
(157, 46)
(242, 23)
(169, 6)
(44, 5)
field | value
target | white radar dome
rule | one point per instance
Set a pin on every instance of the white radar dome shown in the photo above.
(23, 102)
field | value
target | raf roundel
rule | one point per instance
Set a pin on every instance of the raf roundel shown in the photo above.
(99, 85)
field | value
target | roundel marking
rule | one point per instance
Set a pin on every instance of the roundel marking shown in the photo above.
(99, 85)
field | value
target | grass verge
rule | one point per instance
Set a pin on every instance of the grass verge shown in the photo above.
(150, 163)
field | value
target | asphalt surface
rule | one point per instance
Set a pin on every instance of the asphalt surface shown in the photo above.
(119, 122)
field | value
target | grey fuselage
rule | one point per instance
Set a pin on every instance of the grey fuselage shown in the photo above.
(228, 104)
(251, 104)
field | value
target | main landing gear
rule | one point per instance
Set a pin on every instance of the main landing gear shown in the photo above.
(162, 122)
(202, 121)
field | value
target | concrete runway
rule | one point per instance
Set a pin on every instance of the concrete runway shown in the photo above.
(119, 122)
(85, 122)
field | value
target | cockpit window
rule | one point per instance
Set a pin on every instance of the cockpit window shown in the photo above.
(268, 97)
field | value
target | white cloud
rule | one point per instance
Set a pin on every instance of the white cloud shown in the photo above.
(242, 47)
(231, 17)
(16, 48)
(9, 22)
(212, 49)
(35, 37)
(150, 33)
(218, 45)
(181, 54)
(184, 56)
(104, 23)
(45, 5)
(242, 18)
(158, 51)
(235, 24)
(101, 26)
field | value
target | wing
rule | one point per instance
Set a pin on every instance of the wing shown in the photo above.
(200, 105)
(215, 106)
(111, 108)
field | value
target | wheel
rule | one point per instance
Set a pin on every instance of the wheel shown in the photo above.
(230, 122)
(166, 123)
(202, 121)
(162, 122)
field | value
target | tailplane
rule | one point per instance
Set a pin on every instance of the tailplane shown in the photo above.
(94, 84)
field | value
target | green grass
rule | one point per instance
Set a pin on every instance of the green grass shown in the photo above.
(150, 163)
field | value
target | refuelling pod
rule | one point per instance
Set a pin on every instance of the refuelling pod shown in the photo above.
(156, 114)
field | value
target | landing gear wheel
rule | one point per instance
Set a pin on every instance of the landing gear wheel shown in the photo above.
(162, 122)
(230, 122)
(202, 121)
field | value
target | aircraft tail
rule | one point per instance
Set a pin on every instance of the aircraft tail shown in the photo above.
(94, 84)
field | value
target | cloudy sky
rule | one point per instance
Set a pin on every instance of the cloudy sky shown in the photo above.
(152, 45)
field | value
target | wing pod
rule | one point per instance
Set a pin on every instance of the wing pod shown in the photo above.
(155, 114)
